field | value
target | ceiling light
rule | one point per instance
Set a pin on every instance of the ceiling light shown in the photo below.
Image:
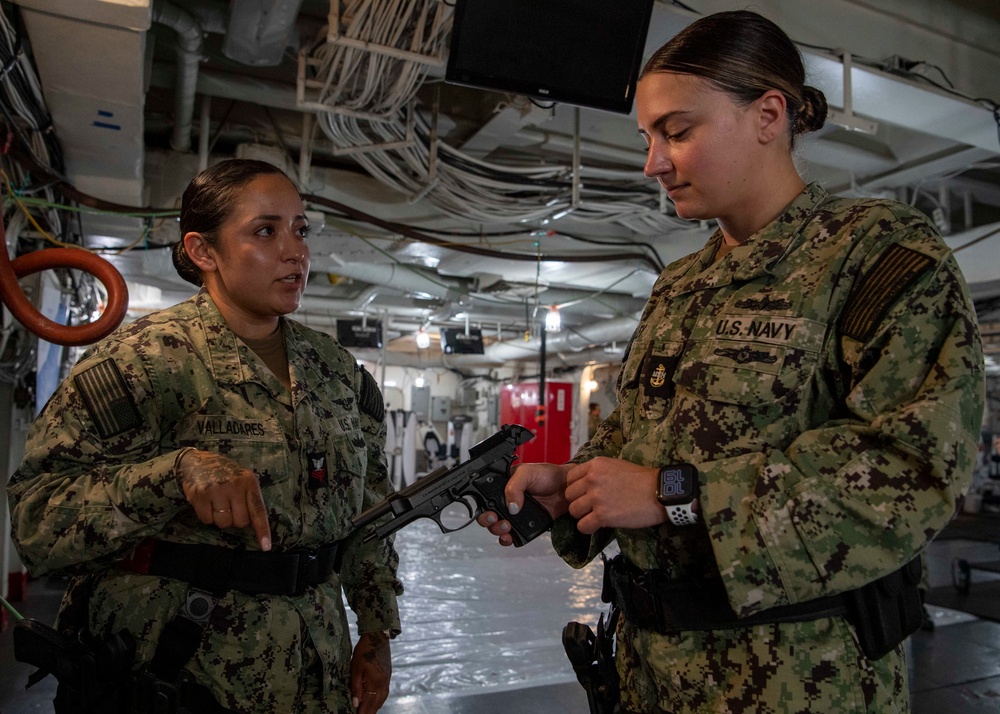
(419, 382)
(552, 321)
(423, 339)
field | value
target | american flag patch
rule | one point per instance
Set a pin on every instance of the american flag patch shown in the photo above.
(893, 272)
(108, 399)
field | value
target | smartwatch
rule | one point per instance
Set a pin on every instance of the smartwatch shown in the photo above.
(677, 490)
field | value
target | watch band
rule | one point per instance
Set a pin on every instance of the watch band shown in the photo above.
(682, 514)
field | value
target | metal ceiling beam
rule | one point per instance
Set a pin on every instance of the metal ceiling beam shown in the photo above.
(941, 165)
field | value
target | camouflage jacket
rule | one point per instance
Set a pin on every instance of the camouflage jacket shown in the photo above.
(99, 477)
(826, 380)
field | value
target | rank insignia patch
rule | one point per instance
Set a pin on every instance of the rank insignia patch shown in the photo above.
(893, 272)
(657, 375)
(318, 477)
(108, 399)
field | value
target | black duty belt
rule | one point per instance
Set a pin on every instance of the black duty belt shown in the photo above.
(883, 612)
(216, 569)
(650, 601)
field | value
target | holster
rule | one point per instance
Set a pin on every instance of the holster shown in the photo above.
(141, 693)
(149, 695)
(593, 659)
(887, 611)
(88, 670)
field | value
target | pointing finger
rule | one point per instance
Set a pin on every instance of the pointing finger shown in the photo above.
(258, 517)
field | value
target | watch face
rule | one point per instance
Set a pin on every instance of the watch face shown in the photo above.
(677, 484)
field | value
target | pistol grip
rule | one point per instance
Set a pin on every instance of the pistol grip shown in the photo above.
(529, 523)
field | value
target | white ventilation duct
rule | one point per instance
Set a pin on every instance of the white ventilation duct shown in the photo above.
(412, 280)
(260, 30)
(90, 57)
(188, 56)
(617, 330)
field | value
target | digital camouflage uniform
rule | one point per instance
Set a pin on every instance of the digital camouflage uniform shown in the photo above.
(96, 480)
(831, 440)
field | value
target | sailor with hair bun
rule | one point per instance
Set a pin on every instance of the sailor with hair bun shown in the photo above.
(797, 411)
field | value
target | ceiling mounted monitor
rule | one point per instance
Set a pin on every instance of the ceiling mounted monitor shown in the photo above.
(582, 52)
(457, 341)
(360, 333)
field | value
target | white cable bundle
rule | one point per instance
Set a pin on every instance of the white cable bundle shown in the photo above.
(374, 82)
(29, 109)
(378, 85)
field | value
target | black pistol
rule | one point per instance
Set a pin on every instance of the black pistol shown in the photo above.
(482, 479)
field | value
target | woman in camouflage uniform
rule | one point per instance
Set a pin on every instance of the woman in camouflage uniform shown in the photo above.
(198, 472)
(816, 366)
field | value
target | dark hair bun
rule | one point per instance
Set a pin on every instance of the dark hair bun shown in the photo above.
(812, 113)
(184, 266)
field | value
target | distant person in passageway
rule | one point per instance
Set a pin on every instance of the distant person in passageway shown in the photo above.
(797, 412)
(593, 419)
(198, 472)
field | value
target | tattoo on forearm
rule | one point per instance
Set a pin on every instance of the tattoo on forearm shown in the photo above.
(209, 469)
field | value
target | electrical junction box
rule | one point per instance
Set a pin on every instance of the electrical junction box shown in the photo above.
(440, 408)
(420, 402)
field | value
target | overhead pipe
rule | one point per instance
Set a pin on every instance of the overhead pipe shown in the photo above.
(408, 279)
(188, 56)
(204, 126)
(412, 279)
(421, 360)
(615, 330)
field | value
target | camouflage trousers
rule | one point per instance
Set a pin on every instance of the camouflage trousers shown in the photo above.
(797, 667)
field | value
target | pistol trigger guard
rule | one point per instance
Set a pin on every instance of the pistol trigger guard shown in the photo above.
(471, 505)
(446, 529)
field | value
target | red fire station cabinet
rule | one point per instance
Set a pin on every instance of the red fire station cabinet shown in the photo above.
(519, 405)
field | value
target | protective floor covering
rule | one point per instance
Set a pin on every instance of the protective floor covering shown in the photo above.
(476, 615)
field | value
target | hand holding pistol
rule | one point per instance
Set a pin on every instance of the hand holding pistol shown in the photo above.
(480, 480)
